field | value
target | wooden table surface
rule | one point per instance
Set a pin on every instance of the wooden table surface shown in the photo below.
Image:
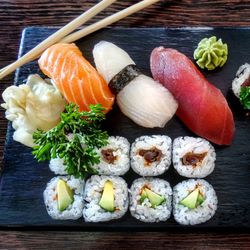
(17, 14)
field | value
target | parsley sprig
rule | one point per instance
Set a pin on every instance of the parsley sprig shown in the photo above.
(245, 97)
(74, 140)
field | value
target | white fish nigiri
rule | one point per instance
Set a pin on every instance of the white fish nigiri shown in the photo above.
(142, 99)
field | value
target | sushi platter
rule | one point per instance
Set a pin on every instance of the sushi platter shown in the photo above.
(23, 179)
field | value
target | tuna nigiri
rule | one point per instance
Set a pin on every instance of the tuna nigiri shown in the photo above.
(202, 107)
(139, 97)
(74, 76)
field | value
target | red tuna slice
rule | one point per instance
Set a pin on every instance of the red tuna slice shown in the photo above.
(202, 107)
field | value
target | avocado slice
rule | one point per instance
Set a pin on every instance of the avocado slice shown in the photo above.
(107, 201)
(191, 200)
(154, 198)
(143, 195)
(65, 195)
(200, 199)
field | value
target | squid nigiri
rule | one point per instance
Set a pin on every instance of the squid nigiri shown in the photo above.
(139, 97)
(202, 107)
(75, 77)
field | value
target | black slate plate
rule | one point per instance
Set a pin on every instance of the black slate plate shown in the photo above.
(23, 179)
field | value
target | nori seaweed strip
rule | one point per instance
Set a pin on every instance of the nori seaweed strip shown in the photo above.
(124, 77)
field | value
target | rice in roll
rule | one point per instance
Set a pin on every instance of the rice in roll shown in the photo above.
(114, 157)
(57, 167)
(105, 198)
(193, 157)
(150, 199)
(241, 85)
(194, 202)
(151, 155)
(242, 79)
(63, 198)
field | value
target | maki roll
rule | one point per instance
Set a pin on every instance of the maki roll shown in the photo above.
(193, 157)
(114, 157)
(150, 199)
(194, 202)
(151, 155)
(63, 198)
(241, 85)
(105, 197)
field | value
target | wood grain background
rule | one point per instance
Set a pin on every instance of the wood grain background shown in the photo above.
(17, 14)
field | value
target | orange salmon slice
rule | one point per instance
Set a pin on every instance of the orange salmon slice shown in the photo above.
(75, 77)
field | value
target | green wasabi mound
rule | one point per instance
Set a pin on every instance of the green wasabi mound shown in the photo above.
(211, 53)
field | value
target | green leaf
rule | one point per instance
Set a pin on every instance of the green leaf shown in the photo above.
(74, 139)
(245, 97)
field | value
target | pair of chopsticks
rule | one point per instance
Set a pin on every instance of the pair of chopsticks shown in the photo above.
(62, 35)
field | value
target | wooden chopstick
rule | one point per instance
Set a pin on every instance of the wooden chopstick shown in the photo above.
(57, 36)
(80, 34)
(108, 20)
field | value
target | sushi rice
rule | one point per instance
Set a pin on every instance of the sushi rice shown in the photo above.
(144, 211)
(186, 216)
(143, 100)
(92, 211)
(242, 75)
(158, 167)
(74, 211)
(57, 167)
(187, 144)
(120, 149)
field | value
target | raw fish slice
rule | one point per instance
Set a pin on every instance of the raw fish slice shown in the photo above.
(74, 76)
(143, 100)
(202, 107)
(110, 59)
(146, 102)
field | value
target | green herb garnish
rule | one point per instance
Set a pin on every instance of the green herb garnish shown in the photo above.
(245, 97)
(77, 149)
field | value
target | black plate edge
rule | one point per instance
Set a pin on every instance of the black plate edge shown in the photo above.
(184, 229)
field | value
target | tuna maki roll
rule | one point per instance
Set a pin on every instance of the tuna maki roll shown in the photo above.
(114, 158)
(193, 157)
(241, 85)
(194, 202)
(151, 155)
(150, 199)
(105, 197)
(63, 198)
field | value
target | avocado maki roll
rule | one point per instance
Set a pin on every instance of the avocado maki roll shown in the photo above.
(114, 157)
(193, 157)
(151, 155)
(63, 198)
(194, 202)
(105, 198)
(150, 199)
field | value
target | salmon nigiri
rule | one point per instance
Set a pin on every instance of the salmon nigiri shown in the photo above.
(75, 77)
(202, 107)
